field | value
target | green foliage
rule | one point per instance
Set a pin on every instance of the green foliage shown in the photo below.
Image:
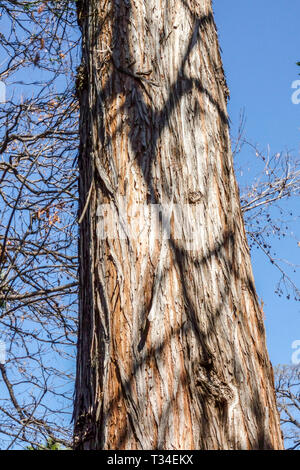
(51, 444)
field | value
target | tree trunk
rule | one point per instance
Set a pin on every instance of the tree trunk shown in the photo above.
(171, 348)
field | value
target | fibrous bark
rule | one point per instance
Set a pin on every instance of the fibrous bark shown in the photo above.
(171, 348)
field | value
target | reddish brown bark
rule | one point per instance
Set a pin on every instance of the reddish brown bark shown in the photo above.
(171, 351)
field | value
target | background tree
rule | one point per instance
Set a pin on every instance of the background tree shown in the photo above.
(274, 180)
(288, 397)
(172, 350)
(38, 217)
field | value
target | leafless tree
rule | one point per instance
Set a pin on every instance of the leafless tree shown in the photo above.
(287, 385)
(273, 183)
(38, 255)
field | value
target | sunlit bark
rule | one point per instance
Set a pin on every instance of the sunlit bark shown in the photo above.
(172, 351)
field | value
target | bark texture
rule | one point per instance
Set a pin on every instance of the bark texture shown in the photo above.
(171, 348)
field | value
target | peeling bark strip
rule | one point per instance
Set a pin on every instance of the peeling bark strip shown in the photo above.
(172, 351)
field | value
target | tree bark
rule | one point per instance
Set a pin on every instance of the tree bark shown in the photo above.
(171, 347)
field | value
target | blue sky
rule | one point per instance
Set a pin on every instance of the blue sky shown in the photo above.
(260, 44)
